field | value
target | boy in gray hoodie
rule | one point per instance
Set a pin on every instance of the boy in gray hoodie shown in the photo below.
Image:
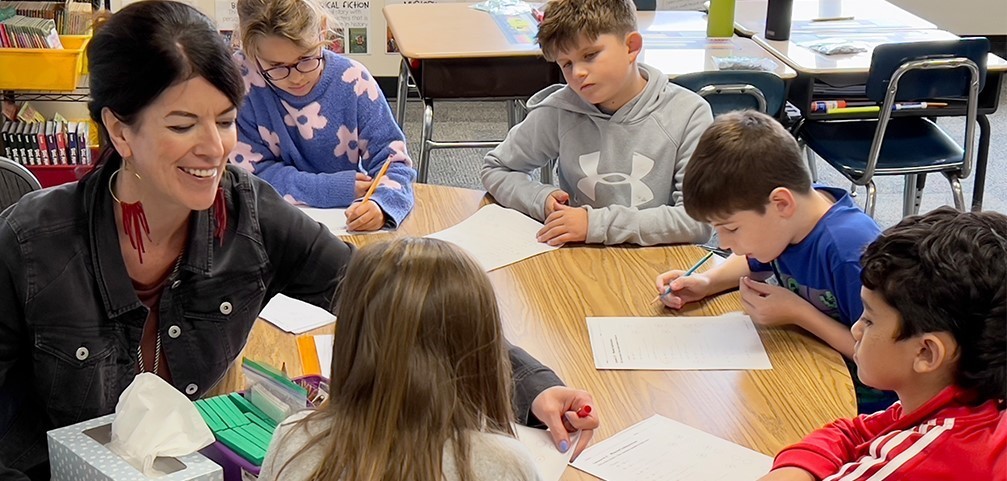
(621, 132)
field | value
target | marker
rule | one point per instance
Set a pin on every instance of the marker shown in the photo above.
(855, 110)
(688, 273)
(826, 105)
(918, 105)
(584, 411)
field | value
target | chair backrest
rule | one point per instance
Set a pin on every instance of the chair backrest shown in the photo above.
(728, 90)
(931, 83)
(645, 5)
(15, 181)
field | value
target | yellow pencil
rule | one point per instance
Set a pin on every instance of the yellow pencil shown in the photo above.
(375, 182)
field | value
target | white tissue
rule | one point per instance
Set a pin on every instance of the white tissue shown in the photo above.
(153, 419)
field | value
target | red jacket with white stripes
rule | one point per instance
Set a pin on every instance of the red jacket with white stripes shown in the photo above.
(945, 439)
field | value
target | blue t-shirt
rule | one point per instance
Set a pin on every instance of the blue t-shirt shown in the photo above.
(824, 268)
(310, 148)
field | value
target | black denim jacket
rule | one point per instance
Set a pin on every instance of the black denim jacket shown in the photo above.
(70, 320)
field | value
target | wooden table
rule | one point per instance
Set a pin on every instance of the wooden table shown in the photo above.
(750, 16)
(544, 301)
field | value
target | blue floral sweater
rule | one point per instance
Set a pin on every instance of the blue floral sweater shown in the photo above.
(310, 148)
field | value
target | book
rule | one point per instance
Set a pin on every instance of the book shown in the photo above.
(50, 135)
(5, 139)
(61, 143)
(83, 138)
(31, 144)
(43, 146)
(71, 142)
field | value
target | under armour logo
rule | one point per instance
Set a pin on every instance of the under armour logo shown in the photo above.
(639, 192)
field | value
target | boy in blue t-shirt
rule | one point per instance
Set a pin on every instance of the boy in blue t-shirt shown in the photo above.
(796, 247)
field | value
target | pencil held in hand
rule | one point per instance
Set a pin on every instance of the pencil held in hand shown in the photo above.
(376, 181)
(688, 273)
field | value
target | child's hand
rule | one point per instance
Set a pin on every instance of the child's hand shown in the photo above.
(556, 197)
(364, 217)
(565, 224)
(683, 289)
(557, 408)
(771, 306)
(361, 183)
(788, 474)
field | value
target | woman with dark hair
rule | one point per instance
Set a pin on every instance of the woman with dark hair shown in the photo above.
(161, 258)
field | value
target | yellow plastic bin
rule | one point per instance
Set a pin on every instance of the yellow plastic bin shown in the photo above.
(43, 69)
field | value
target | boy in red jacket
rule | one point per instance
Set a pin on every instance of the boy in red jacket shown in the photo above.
(933, 331)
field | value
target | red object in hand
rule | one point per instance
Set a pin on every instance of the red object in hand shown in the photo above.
(584, 411)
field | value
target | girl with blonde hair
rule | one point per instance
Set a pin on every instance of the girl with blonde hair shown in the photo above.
(314, 124)
(421, 382)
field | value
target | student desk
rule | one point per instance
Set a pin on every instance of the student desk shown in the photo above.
(452, 52)
(475, 59)
(750, 16)
(545, 300)
(676, 43)
(815, 70)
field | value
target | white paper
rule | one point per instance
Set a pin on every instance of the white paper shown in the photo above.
(548, 460)
(677, 343)
(496, 236)
(660, 449)
(323, 346)
(295, 316)
(335, 220)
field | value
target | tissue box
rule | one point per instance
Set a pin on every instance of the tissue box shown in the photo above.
(78, 453)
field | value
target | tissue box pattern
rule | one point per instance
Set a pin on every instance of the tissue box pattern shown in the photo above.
(74, 456)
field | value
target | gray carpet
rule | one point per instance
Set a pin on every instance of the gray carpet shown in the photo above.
(488, 121)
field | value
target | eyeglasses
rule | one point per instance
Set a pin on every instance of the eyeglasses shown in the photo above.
(281, 72)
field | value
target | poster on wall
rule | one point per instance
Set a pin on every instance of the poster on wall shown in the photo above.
(353, 18)
(349, 34)
(225, 14)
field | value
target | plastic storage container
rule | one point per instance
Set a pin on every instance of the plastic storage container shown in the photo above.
(237, 468)
(44, 69)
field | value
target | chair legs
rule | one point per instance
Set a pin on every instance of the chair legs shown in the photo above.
(956, 190)
(912, 194)
(426, 135)
(872, 197)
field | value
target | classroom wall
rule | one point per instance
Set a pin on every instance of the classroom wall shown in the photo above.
(362, 17)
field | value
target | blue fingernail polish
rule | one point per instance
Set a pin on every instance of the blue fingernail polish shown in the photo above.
(564, 446)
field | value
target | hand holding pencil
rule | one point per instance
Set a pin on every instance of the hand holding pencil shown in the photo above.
(677, 288)
(364, 215)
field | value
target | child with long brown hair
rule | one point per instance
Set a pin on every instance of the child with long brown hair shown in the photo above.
(421, 381)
